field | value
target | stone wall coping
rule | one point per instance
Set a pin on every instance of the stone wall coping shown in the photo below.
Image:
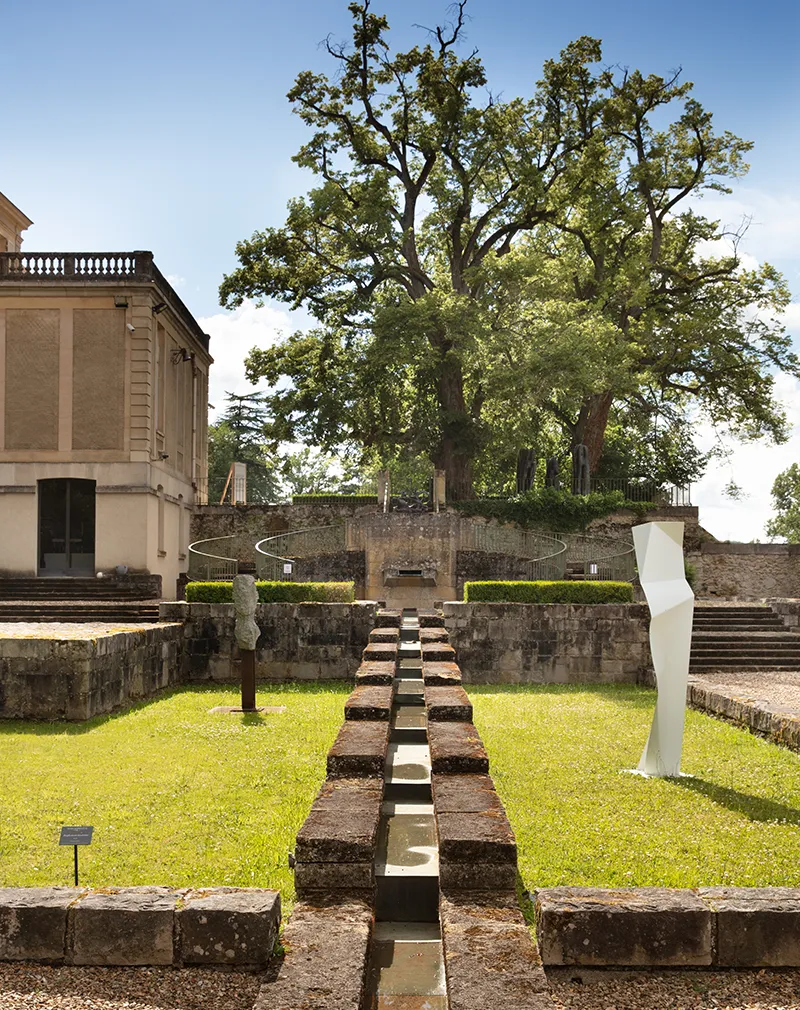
(724, 927)
(459, 607)
(714, 547)
(147, 925)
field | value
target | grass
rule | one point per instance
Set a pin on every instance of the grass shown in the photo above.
(177, 796)
(558, 755)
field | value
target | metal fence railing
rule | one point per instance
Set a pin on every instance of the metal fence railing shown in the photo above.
(599, 557)
(543, 554)
(644, 490)
(214, 560)
(276, 555)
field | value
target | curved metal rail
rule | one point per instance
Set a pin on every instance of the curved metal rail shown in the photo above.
(205, 566)
(600, 557)
(293, 544)
(543, 555)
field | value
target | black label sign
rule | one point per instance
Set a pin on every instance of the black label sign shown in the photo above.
(76, 836)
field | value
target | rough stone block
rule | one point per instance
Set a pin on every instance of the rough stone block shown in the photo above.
(433, 635)
(342, 826)
(450, 704)
(382, 652)
(441, 674)
(369, 701)
(655, 926)
(437, 652)
(476, 837)
(33, 922)
(464, 794)
(384, 635)
(132, 925)
(389, 619)
(430, 619)
(374, 672)
(490, 958)
(326, 946)
(359, 749)
(321, 878)
(756, 926)
(229, 926)
(456, 749)
(477, 877)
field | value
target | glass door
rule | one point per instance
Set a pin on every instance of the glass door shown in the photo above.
(66, 526)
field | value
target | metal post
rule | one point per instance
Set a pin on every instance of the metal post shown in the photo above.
(248, 662)
(76, 865)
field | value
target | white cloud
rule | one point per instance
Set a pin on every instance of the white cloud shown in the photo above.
(774, 220)
(233, 335)
(176, 280)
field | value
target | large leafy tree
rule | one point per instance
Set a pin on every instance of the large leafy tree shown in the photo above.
(423, 182)
(786, 501)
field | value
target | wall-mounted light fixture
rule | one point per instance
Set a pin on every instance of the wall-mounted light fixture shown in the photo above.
(159, 307)
(181, 354)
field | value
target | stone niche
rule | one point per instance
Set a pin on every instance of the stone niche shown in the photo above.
(410, 558)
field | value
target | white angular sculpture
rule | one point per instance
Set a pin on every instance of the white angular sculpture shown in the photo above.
(659, 555)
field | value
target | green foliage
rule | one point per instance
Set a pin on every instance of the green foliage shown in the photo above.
(335, 499)
(690, 571)
(548, 592)
(552, 509)
(239, 437)
(274, 592)
(733, 821)
(176, 793)
(786, 501)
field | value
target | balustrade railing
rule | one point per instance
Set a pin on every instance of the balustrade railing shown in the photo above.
(215, 559)
(32, 266)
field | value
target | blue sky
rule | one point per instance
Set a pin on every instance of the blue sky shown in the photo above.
(164, 126)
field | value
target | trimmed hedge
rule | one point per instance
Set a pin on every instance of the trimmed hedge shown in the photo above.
(274, 592)
(548, 592)
(335, 499)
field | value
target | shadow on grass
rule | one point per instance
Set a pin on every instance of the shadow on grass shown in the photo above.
(35, 727)
(754, 808)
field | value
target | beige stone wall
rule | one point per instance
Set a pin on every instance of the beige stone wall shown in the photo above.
(31, 405)
(98, 379)
(18, 533)
(746, 571)
(12, 224)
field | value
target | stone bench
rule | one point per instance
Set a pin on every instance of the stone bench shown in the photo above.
(359, 749)
(139, 925)
(456, 749)
(335, 846)
(441, 674)
(370, 702)
(728, 927)
(449, 704)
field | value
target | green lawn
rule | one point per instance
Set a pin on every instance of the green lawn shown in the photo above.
(558, 756)
(177, 796)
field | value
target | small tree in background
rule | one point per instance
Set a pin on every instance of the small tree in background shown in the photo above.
(786, 500)
(238, 437)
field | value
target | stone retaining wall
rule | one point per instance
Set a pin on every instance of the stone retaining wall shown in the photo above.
(526, 643)
(235, 927)
(779, 724)
(727, 927)
(77, 678)
(298, 641)
(746, 571)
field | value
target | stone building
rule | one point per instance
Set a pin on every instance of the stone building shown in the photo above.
(103, 413)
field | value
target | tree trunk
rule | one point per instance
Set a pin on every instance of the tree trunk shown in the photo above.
(455, 452)
(590, 429)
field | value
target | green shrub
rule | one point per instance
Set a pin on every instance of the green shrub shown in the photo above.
(335, 499)
(274, 592)
(551, 508)
(690, 572)
(548, 592)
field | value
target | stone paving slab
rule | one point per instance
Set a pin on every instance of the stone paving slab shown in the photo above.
(376, 672)
(369, 701)
(359, 749)
(449, 704)
(490, 959)
(69, 631)
(326, 944)
(441, 674)
(456, 749)
(654, 926)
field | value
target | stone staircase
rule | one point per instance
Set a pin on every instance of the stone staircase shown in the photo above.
(741, 637)
(78, 600)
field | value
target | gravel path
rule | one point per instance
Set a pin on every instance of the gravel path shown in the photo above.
(593, 989)
(777, 687)
(37, 987)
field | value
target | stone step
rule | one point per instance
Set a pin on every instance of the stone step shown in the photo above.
(441, 674)
(438, 652)
(456, 749)
(430, 619)
(449, 704)
(384, 635)
(359, 750)
(369, 701)
(375, 672)
(743, 664)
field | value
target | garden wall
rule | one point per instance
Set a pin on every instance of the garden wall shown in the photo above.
(524, 643)
(77, 678)
(746, 571)
(298, 641)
